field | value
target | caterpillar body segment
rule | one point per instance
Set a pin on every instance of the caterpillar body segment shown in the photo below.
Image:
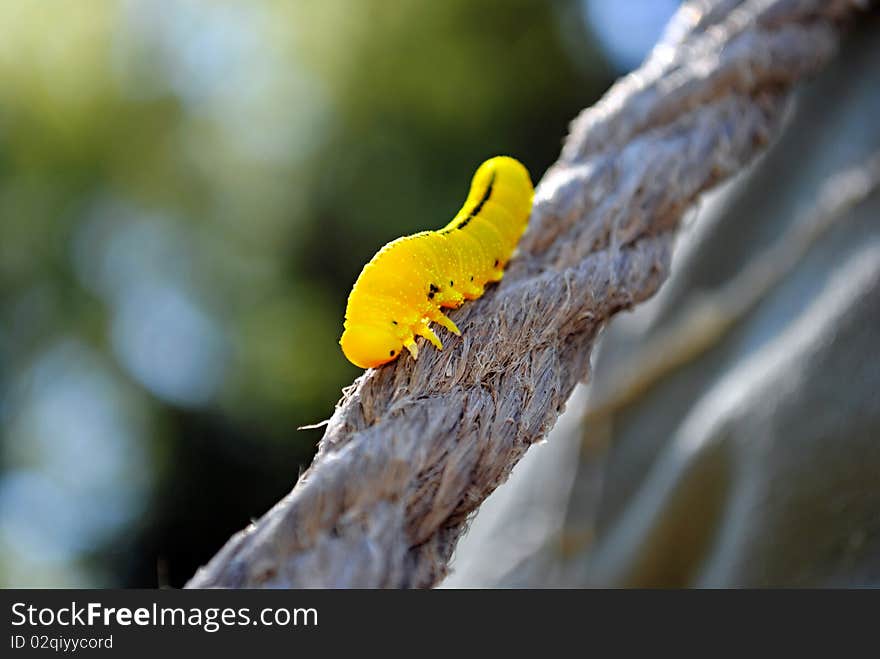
(405, 286)
(471, 256)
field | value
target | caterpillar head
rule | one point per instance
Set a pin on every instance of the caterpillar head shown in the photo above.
(368, 345)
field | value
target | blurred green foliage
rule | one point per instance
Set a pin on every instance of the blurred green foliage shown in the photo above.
(187, 192)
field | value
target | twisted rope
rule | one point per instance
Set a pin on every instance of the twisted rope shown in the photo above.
(413, 448)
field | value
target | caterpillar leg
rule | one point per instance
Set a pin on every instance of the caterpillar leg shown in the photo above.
(428, 333)
(410, 345)
(471, 291)
(452, 299)
(443, 320)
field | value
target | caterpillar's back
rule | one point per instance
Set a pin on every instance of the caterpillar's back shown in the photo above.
(403, 287)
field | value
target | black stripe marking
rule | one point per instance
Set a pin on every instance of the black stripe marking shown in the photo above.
(480, 204)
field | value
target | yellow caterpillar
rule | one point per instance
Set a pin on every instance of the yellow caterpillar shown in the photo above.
(401, 290)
